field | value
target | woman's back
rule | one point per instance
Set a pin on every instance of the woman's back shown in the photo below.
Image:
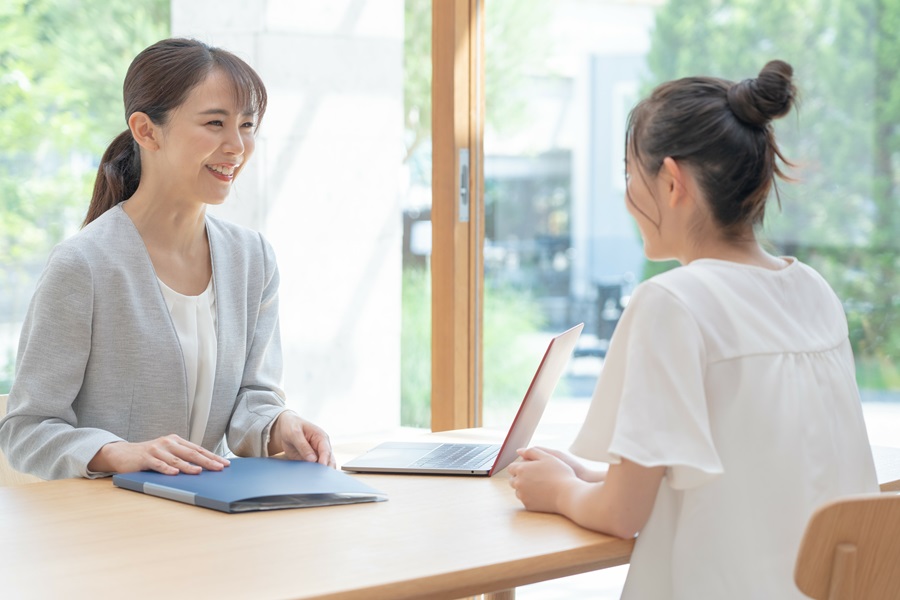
(757, 415)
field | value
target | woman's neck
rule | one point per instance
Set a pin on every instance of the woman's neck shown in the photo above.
(175, 237)
(745, 250)
(179, 227)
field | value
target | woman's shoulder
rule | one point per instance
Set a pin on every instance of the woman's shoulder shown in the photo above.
(102, 238)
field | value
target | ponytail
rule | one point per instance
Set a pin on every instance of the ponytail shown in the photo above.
(117, 177)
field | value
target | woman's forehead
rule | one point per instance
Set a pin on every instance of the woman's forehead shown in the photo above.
(218, 91)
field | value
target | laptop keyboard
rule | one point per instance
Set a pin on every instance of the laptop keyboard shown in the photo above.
(457, 456)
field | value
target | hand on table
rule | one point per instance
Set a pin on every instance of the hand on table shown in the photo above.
(170, 455)
(581, 471)
(539, 478)
(300, 440)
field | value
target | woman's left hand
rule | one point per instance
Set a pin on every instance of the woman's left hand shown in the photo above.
(300, 440)
(539, 478)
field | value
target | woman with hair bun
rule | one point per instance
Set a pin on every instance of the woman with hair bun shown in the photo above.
(727, 406)
(152, 340)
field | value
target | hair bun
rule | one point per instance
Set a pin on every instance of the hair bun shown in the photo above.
(770, 96)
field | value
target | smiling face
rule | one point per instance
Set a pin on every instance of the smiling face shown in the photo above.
(206, 142)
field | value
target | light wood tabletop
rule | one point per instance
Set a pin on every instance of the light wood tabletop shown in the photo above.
(436, 537)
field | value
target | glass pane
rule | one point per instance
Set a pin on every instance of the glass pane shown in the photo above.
(560, 247)
(339, 182)
(341, 187)
(61, 104)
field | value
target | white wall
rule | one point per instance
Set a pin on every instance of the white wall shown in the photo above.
(324, 187)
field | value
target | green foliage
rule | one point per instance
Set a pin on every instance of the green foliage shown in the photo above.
(415, 349)
(417, 73)
(517, 44)
(841, 216)
(61, 101)
(510, 319)
(7, 371)
(62, 63)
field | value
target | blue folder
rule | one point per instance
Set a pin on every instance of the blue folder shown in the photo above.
(250, 484)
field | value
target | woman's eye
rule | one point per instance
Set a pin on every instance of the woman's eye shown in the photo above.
(249, 124)
(216, 123)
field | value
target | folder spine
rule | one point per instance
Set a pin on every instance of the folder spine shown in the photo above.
(170, 494)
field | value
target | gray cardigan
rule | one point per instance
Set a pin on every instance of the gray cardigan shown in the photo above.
(99, 360)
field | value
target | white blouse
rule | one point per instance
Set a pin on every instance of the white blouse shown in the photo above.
(194, 318)
(740, 381)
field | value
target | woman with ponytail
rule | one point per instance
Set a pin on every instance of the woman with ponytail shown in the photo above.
(727, 407)
(152, 341)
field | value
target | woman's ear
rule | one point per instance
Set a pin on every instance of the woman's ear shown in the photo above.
(674, 181)
(144, 131)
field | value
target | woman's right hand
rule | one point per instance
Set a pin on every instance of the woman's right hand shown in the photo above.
(581, 471)
(170, 455)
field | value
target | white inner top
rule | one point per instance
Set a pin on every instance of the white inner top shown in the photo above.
(194, 318)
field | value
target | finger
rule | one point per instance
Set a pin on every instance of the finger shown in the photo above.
(529, 453)
(323, 450)
(161, 466)
(327, 458)
(175, 442)
(207, 454)
(198, 457)
(186, 466)
(301, 445)
(173, 461)
(213, 456)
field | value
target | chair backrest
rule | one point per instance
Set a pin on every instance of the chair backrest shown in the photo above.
(8, 475)
(851, 550)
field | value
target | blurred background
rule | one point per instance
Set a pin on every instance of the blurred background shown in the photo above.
(341, 180)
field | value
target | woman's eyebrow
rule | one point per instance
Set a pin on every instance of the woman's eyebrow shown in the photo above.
(223, 112)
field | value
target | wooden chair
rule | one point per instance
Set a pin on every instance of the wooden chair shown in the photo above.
(851, 550)
(8, 475)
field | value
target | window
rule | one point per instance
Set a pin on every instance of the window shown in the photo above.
(339, 184)
(559, 247)
(61, 101)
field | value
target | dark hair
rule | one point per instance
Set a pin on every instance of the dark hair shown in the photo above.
(158, 81)
(722, 130)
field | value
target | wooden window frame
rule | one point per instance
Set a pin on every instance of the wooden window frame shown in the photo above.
(457, 265)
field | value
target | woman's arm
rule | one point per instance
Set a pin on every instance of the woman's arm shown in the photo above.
(38, 434)
(620, 505)
(260, 423)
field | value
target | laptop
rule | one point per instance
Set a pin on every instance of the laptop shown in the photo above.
(437, 458)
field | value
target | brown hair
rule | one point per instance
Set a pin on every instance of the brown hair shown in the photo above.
(158, 81)
(723, 131)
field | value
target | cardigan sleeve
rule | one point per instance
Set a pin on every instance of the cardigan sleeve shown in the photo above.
(39, 433)
(260, 397)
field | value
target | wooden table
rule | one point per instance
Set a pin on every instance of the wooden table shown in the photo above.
(436, 537)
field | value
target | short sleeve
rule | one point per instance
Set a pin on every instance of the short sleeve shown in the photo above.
(650, 404)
